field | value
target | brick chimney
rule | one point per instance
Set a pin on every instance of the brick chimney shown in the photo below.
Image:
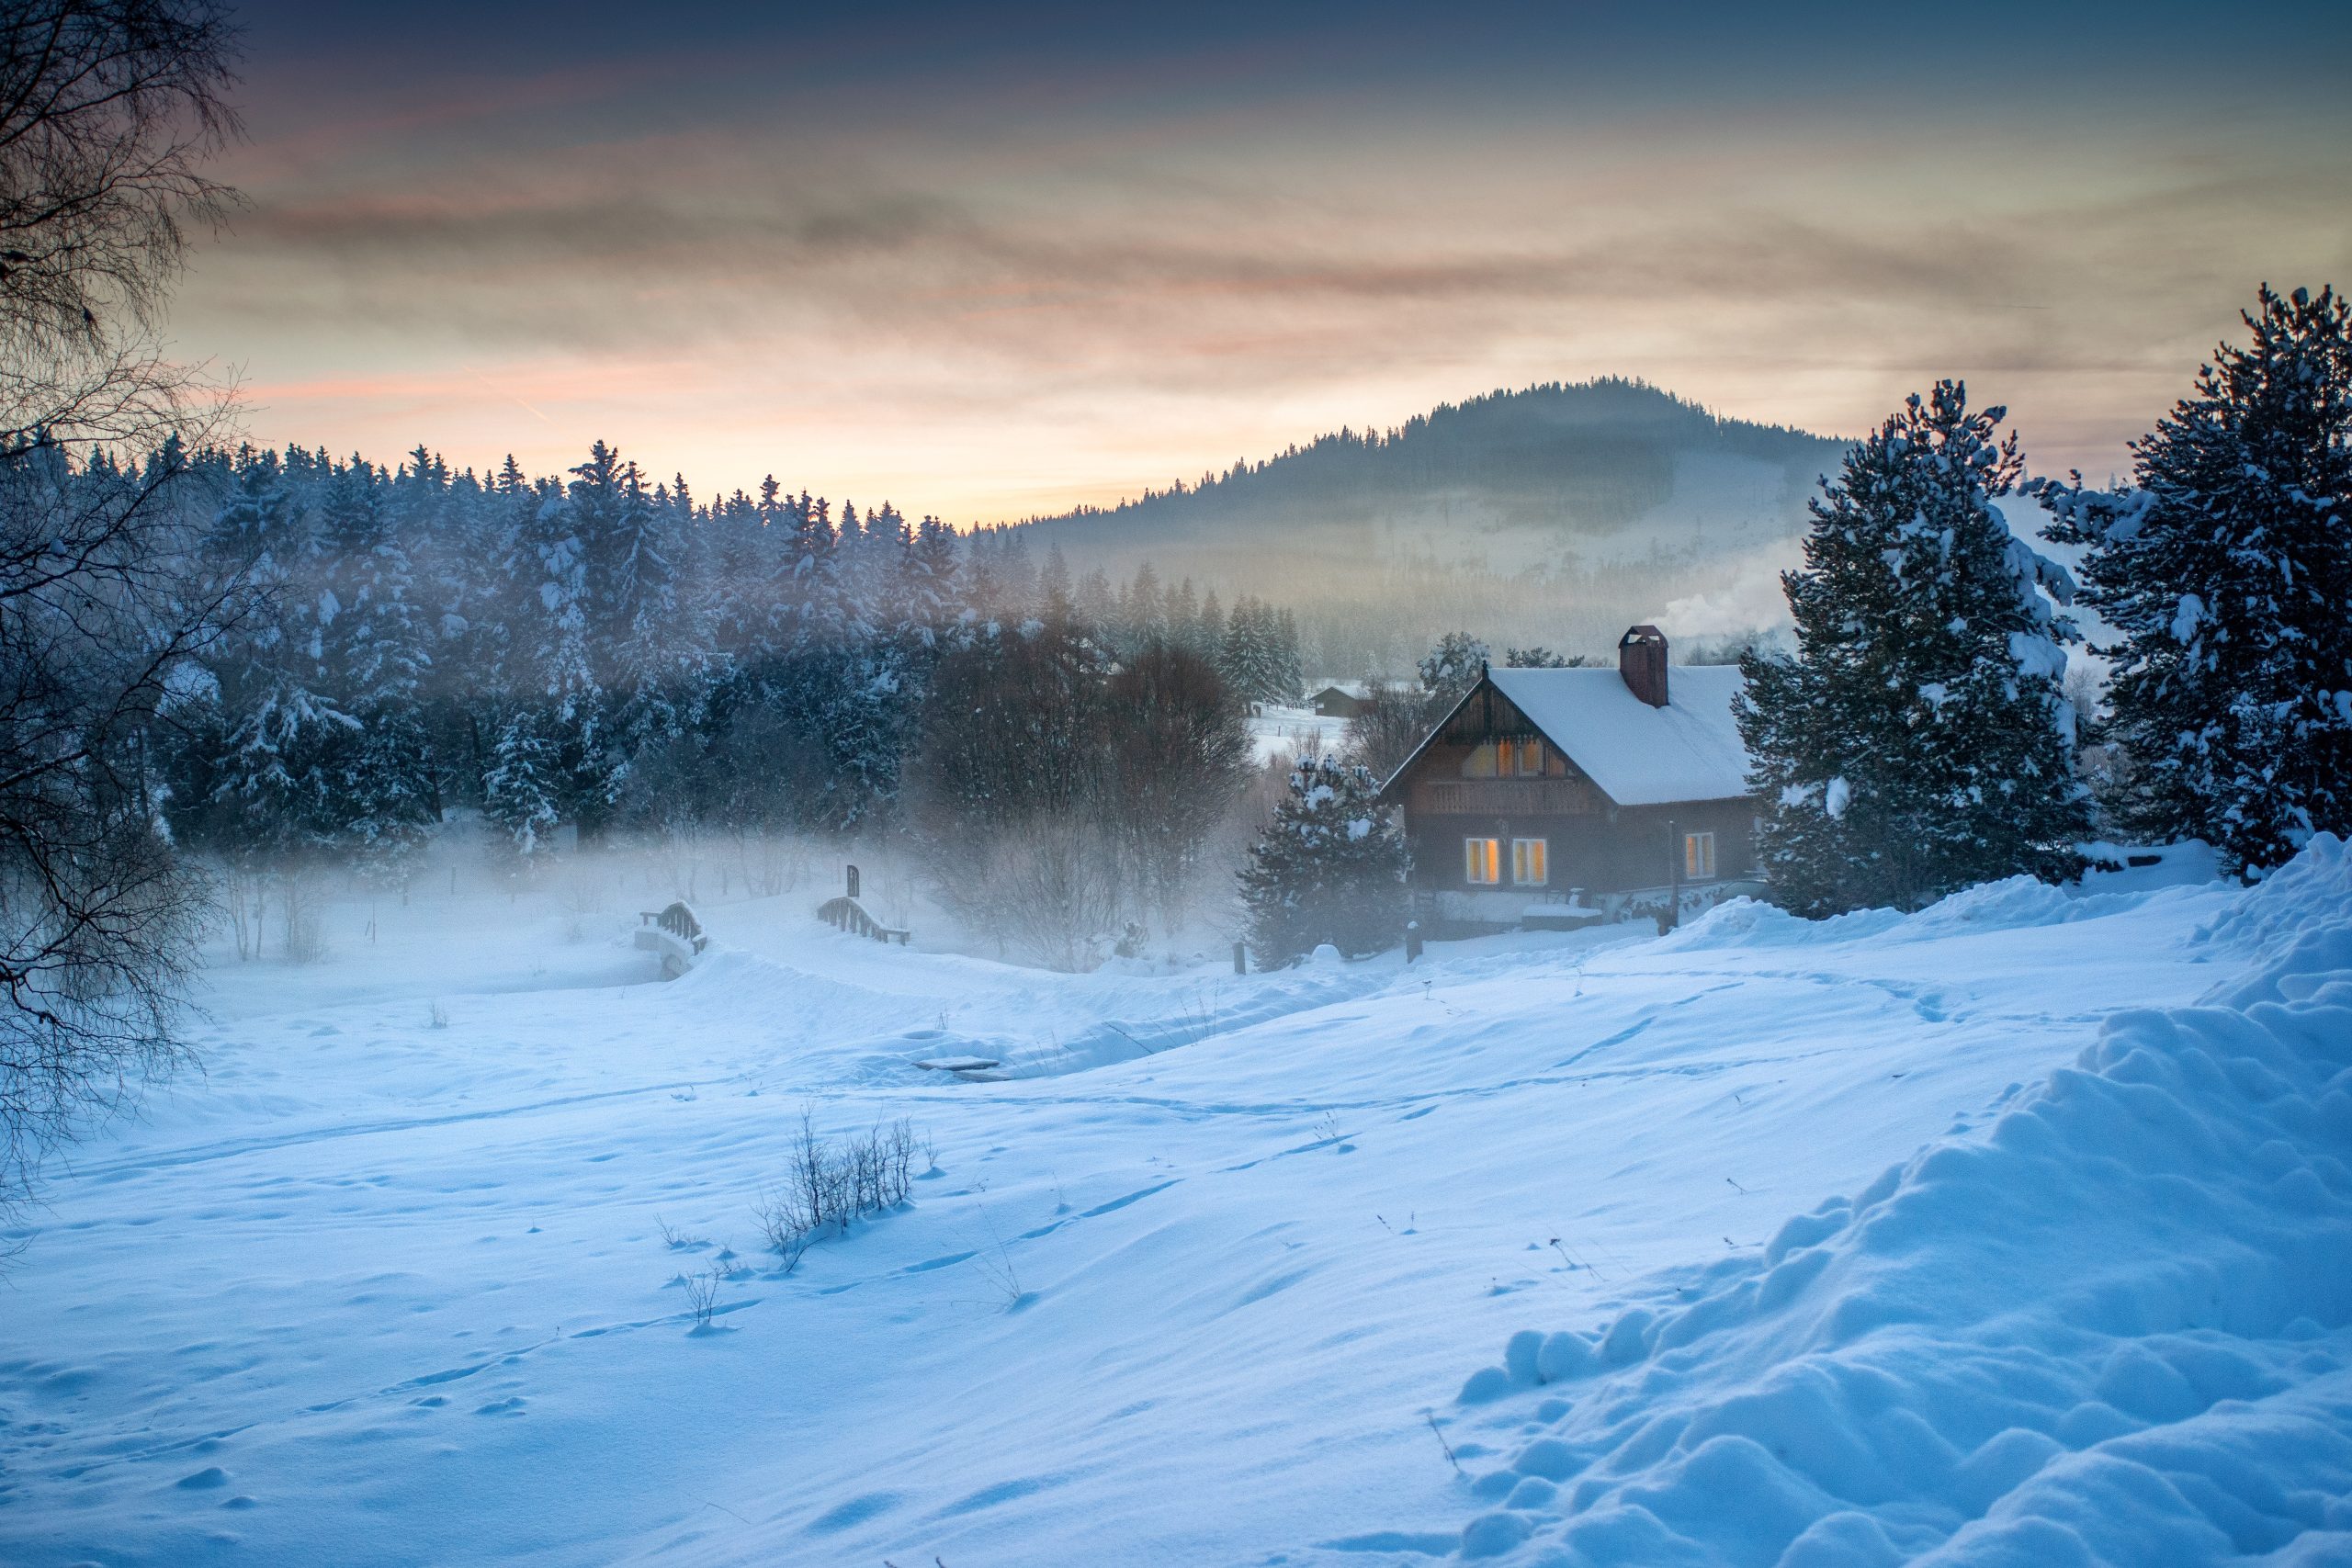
(1640, 660)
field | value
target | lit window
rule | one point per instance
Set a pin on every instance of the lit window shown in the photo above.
(1698, 855)
(1528, 858)
(1482, 862)
(1519, 756)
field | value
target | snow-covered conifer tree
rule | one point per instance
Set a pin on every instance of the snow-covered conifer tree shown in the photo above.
(1289, 676)
(1918, 741)
(1184, 621)
(930, 580)
(629, 549)
(376, 657)
(1212, 633)
(1096, 607)
(1452, 668)
(1329, 867)
(1251, 658)
(549, 754)
(1142, 612)
(256, 778)
(521, 788)
(2227, 573)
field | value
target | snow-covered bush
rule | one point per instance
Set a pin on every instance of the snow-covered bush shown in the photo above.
(1329, 868)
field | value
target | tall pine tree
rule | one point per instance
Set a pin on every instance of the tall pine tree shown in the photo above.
(1917, 742)
(2227, 573)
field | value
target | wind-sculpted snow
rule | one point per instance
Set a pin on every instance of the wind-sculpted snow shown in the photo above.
(408, 1275)
(2113, 1328)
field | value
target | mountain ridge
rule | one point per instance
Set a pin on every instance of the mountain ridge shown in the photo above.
(1541, 515)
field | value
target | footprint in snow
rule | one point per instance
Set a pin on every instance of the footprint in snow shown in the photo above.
(512, 1406)
(204, 1479)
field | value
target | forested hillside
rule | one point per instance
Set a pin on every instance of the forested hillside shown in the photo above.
(1552, 514)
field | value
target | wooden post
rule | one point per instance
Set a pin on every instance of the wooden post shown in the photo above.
(1240, 958)
(852, 881)
(1413, 940)
(1674, 882)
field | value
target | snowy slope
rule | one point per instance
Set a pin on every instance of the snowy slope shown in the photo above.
(2115, 1330)
(1192, 1289)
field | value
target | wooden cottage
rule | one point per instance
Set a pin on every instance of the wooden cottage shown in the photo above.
(1560, 796)
(1337, 702)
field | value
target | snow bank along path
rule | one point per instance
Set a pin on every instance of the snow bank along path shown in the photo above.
(1192, 1290)
(2115, 1330)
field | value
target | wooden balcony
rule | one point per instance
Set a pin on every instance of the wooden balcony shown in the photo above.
(1504, 797)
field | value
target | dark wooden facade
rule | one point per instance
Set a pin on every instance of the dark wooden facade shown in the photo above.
(1490, 773)
(1336, 702)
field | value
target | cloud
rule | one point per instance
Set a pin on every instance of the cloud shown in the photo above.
(1068, 280)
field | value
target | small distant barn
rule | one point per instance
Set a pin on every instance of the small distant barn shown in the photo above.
(1560, 796)
(1337, 702)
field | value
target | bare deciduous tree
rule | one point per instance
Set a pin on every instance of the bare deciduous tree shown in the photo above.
(1392, 720)
(1058, 797)
(1179, 750)
(108, 110)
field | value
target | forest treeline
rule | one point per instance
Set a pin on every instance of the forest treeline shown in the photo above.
(606, 653)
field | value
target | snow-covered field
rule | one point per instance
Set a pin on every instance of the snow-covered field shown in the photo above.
(2015, 1231)
(1294, 732)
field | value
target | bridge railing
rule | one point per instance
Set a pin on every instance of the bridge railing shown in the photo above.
(680, 920)
(845, 913)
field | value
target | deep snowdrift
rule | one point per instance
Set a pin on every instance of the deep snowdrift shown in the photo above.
(2111, 1330)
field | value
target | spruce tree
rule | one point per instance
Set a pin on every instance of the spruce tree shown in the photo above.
(2227, 573)
(1329, 867)
(1250, 660)
(376, 657)
(1095, 606)
(1184, 621)
(1290, 676)
(521, 787)
(630, 604)
(558, 703)
(258, 779)
(1917, 742)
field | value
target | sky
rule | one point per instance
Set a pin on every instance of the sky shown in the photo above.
(990, 261)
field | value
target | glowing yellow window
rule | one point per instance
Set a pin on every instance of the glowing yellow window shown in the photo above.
(1528, 861)
(1482, 862)
(1698, 855)
(1520, 756)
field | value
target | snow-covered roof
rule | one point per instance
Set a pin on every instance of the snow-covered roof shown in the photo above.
(1639, 755)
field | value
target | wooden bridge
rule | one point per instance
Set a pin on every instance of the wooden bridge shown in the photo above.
(845, 913)
(675, 933)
